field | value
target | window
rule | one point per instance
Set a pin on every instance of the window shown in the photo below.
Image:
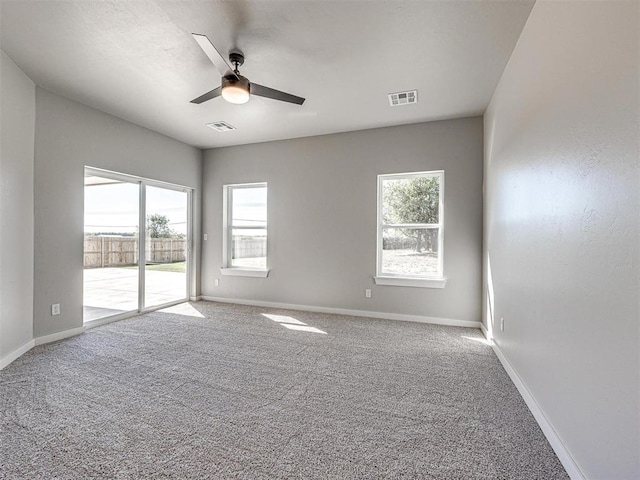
(245, 226)
(410, 217)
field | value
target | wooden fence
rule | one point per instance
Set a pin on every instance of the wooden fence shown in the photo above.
(119, 251)
(249, 247)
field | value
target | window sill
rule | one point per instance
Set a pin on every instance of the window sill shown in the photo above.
(411, 282)
(245, 272)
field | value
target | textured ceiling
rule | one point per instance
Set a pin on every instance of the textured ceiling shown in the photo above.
(138, 61)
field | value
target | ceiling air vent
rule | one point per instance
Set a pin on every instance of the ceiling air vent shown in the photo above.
(221, 126)
(403, 98)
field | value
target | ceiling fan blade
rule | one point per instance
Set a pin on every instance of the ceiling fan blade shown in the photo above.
(267, 92)
(208, 96)
(214, 55)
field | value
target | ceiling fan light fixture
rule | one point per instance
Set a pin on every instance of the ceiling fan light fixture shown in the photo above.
(235, 90)
(235, 94)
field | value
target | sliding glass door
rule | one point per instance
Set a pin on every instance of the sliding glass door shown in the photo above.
(111, 216)
(166, 251)
(124, 271)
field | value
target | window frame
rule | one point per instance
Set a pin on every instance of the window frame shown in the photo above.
(425, 281)
(227, 227)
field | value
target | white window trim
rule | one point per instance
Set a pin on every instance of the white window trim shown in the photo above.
(227, 269)
(435, 281)
(411, 282)
(244, 272)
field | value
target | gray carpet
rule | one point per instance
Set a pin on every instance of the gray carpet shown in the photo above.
(234, 394)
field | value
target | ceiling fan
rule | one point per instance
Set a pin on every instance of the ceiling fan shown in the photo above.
(235, 88)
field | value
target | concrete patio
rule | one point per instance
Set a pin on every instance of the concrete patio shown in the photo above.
(110, 291)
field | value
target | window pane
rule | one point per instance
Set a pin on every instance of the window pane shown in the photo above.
(249, 247)
(111, 225)
(410, 251)
(166, 253)
(249, 207)
(411, 200)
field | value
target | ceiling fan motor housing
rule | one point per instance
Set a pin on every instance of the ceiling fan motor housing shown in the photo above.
(236, 58)
(239, 82)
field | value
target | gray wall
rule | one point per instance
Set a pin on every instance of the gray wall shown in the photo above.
(68, 137)
(562, 225)
(17, 106)
(322, 217)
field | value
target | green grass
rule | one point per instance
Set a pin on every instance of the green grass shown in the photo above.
(178, 267)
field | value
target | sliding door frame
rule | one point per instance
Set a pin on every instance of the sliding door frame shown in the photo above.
(143, 183)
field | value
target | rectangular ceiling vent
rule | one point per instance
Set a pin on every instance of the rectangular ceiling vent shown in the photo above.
(221, 126)
(403, 98)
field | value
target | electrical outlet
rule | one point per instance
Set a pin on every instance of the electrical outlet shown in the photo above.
(55, 309)
(217, 282)
(501, 324)
(367, 292)
(205, 236)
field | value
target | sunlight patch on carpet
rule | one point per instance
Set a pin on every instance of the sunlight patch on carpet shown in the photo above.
(303, 328)
(477, 339)
(283, 319)
(183, 309)
(292, 323)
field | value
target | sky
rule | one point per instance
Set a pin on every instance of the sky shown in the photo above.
(249, 206)
(113, 207)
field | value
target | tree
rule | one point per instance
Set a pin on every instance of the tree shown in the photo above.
(415, 200)
(158, 226)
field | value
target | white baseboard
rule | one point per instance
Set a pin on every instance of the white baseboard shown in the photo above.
(6, 360)
(195, 299)
(18, 352)
(88, 325)
(58, 336)
(342, 311)
(554, 439)
(485, 332)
